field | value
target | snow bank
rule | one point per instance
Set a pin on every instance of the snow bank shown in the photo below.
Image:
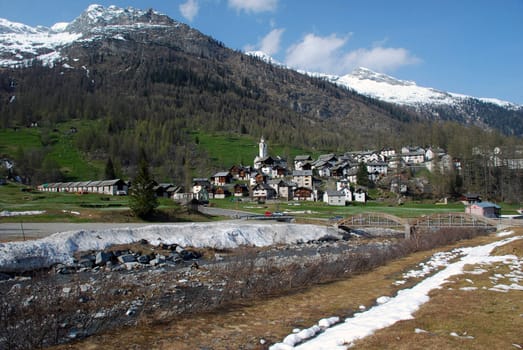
(20, 213)
(60, 247)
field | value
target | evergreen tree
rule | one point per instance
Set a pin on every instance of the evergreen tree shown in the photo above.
(110, 173)
(142, 199)
(362, 177)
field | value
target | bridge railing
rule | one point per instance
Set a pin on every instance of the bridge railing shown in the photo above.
(452, 219)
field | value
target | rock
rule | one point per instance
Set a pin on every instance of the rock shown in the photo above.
(86, 262)
(4, 277)
(127, 258)
(144, 241)
(159, 259)
(102, 258)
(117, 253)
(328, 238)
(190, 255)
(143, 259)
(132, 265)
(175, 257)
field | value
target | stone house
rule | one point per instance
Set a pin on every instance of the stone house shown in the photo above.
(301, 160)
(263, 192)
(241, 190)
(302, 178)
(336, 198)
(360, 195)
(303, 194)
(221, 178)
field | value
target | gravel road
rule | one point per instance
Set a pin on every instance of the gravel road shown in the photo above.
(17, 231)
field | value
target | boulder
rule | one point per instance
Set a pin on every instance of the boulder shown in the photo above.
(126, 258)
(143, 259)
(159, 259)
(102, 258)
(190, 255)
(86, 262)
(175, 257)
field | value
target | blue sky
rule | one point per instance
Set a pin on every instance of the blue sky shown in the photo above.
(474, 47)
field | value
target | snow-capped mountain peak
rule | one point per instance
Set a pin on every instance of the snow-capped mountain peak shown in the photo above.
(389, 89)
(7, 27)
(99, 16)
(403, 92)
(21, 44)
(362, 73)
(59, 27)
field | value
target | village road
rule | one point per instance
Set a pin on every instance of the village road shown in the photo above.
(17, 231)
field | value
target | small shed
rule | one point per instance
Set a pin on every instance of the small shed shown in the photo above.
(486, 209)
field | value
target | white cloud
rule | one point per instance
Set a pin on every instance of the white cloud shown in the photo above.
(270, 44)
(315, 53)
(382, 59)
(189, 9)
(254, 6)
(327, 55)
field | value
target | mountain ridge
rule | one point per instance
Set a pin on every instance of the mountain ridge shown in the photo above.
(136, 53)
(89, 22)
(358, 80)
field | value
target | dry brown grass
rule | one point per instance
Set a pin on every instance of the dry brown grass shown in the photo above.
(243, 326)
(493, 319)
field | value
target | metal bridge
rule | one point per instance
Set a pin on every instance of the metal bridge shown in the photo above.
(435, 221)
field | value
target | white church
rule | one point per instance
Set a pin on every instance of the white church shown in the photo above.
(265, 163)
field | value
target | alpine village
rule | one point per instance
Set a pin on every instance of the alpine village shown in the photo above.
(160, 190)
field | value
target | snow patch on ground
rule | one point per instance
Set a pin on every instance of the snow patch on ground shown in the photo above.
(21, 213)
(408, 301)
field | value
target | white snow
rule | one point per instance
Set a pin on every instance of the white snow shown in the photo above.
(389, 89)
(402, 307)
(392, 90)
(59, 27)
(20, 44)
(60, 247)
(31, 43)
(21, 213)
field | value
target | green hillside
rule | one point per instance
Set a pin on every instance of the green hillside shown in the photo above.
(34, 149)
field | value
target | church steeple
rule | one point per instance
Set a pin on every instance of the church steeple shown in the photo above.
(263, 148)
